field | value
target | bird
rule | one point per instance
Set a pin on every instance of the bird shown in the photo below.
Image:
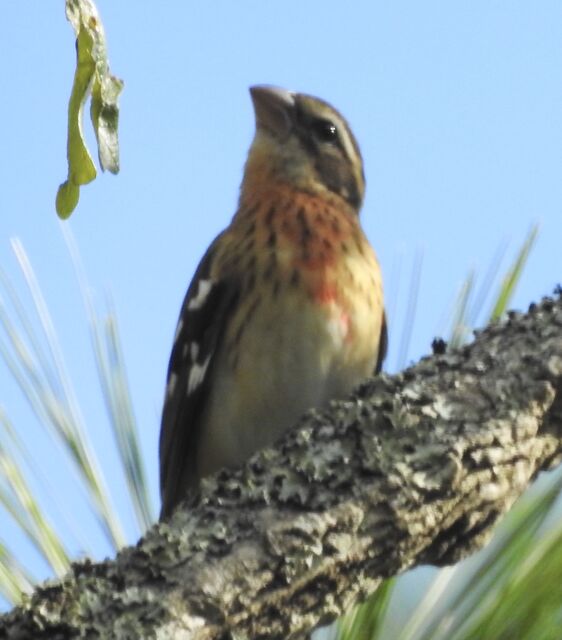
(285, 311)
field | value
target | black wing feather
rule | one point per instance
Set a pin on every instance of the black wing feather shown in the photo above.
(201, 326)
(383, 344)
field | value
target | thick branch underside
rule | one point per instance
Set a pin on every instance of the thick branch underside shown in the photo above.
(413, 469)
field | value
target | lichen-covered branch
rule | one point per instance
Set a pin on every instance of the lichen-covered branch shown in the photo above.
(414, 468)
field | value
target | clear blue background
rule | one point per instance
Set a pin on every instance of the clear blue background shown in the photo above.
(457, 107)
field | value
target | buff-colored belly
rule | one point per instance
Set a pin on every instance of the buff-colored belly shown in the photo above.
(304, 357)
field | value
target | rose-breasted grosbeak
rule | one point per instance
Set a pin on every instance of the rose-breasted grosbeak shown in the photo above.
(285, 311)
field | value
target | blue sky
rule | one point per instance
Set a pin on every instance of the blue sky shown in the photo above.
(457, 108)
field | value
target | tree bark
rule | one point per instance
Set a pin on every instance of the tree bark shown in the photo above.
(412, 469)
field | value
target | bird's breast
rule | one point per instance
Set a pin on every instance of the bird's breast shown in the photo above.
(306, 331)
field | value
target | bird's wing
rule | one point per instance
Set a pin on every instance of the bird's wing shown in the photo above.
(383, 344)
(201, 324)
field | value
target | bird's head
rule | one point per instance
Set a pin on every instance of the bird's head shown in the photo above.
(303, 142)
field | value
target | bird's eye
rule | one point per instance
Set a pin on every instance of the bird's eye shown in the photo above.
(324, 130)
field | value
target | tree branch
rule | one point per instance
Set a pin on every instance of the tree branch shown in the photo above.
(413, 469)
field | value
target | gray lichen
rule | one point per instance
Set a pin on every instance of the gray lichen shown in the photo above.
(413, 468)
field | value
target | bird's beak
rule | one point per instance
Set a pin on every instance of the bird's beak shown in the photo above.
(274, 109)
